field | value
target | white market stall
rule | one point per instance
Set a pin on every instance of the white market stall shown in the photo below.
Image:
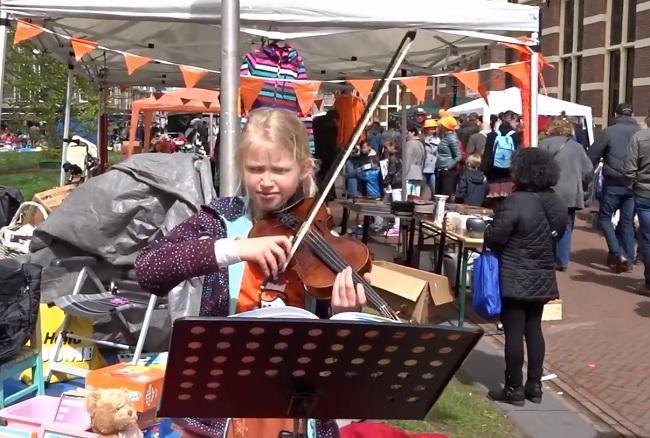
(337, 38)
(510, 100)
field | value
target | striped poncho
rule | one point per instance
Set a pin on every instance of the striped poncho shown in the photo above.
(273, 61)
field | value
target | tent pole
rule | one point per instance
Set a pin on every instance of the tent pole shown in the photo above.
(229, 120)
(534, 90)
(3, 54)
(66, 123)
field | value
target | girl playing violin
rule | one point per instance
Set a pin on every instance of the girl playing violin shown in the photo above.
(276, 167)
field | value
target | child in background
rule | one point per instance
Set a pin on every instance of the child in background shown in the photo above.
(393, 179)
(473, 185)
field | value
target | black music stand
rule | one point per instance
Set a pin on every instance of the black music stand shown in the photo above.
(303, 368)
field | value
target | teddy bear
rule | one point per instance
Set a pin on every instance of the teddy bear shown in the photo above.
(112, 414)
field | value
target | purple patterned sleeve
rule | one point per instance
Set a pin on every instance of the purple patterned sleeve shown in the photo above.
(186, 252)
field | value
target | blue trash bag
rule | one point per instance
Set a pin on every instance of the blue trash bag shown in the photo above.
(486, 292)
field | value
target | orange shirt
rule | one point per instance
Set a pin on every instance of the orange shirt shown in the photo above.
(350, 109)
(249, 297)
(249, 292)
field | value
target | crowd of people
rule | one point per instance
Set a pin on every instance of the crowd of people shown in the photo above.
(32, 135)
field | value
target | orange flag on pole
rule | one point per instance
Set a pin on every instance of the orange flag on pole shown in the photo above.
(363, 86)
(134, 62)
(476, 81)
(306, 93)
(249, 89)
(192, 75)
(417, 86)
(26, 31)
(82, 47)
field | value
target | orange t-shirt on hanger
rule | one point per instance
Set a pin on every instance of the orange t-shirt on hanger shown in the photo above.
(350, 109)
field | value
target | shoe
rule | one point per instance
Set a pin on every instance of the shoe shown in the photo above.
(533, 392)
(623, 265)
(392, 232)
(513, 396)
(612, 260)
(560, 268)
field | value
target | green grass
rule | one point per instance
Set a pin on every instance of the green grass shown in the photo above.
(463, 412)
(21, 170)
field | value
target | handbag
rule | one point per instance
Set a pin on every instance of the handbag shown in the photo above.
(486, 289)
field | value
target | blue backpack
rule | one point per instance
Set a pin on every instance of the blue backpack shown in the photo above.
(504, 148)
(486, 292)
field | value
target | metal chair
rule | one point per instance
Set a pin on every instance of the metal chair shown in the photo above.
(106, 301)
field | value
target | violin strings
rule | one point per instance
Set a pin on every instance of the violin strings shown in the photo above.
(337, 264)
(335, 259)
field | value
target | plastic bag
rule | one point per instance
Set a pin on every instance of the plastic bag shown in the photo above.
(486, 291)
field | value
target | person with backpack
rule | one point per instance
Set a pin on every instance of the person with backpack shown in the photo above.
(576, 171)
(611, 147)
(448, 156)
(500, 146)
(524, 230)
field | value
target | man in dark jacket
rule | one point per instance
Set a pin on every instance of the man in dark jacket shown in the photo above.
(611, 147)
(636, 166)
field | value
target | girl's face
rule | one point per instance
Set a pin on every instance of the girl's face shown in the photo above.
(272, 175)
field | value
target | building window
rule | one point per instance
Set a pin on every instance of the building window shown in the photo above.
(568, 25)
(580, 6)
(566, 78)
(572, 35)
(616, 21)
(620, 52)
(631, 20)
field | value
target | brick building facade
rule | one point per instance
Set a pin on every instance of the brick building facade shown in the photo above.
(601, 53)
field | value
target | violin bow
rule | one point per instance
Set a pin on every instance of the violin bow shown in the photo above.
(381, 89)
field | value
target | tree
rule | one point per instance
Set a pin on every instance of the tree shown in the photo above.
(40, 82)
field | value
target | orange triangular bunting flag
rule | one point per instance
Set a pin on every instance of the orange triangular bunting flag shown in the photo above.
(476, 81)
(26, 31)
(318, 103)
(134, 62)
(306, 93)
(192, 75)
(249, 90)
(417, 86)
(519, 72)
(363, 86)
(82, 47)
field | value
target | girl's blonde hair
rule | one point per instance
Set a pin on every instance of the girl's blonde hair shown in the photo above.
(282, 128)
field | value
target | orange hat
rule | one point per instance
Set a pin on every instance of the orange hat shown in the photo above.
(442, 112)
(430, 123)
(448, 122)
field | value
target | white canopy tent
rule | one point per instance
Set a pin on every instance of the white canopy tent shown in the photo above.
(510, 100)
(337, 38)
(329, 35)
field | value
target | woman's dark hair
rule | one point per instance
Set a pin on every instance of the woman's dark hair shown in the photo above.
(534, 170)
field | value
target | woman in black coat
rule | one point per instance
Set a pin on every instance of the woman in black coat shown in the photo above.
(524, 230)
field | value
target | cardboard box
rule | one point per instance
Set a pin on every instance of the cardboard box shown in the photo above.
(415, 294)
(552, 311)
(144, 383)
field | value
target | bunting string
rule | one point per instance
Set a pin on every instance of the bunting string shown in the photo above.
(192, 74)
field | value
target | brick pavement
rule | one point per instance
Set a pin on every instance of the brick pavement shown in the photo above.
(601, 347)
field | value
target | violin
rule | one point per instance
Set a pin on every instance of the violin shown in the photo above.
(323, 253)
(317, 253)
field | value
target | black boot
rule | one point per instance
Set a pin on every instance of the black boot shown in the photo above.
(509, 394)
(533, 392)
